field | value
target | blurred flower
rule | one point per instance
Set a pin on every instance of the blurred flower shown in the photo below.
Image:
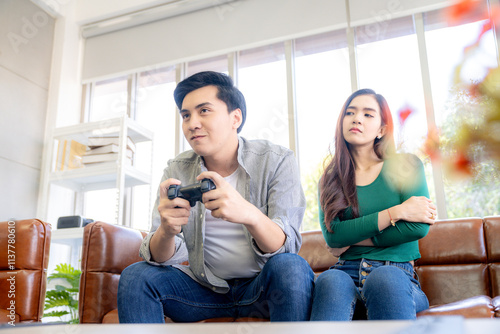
(459, 10)
(404, 114)
(431, 144)
(463, 164)
(475, 141)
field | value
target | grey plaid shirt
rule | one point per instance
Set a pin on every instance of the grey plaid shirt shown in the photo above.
(271, 183)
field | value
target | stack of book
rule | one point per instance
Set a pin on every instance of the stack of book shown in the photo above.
(106, 149)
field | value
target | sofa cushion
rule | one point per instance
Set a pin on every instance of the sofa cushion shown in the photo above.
(457, 241)
(474, 307)
(496, 305)
(450, 283)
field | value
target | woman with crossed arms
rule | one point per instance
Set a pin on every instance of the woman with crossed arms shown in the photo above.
(374, 207)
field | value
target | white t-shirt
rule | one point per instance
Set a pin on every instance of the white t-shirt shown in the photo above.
(227, 251)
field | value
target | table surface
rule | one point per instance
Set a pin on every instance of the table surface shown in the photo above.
(444, 325)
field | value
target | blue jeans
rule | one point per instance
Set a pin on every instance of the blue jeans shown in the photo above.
(281, 292)
(388, 291)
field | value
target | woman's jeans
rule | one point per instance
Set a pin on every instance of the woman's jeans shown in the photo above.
(387, 289)
(281, 292)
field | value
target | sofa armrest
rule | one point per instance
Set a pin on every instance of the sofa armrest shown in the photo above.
(27, 260)
(106, 250)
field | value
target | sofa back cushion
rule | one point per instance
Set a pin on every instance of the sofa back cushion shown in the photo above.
(492, 234)
(107, 250)
(454, 261)
(314, 251)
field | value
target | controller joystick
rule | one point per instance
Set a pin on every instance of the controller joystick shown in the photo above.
(192, 192)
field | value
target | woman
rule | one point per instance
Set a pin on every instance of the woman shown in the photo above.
(374, 208)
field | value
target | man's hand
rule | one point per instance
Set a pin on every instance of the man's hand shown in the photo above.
(226, 203)
(174, 213)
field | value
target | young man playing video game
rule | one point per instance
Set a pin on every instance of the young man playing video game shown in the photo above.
(240, 239)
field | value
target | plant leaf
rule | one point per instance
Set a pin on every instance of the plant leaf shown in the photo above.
(55, 314)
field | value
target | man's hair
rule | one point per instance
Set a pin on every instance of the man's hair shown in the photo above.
(227, 91)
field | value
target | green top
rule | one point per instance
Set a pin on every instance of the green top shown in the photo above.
(401, 177)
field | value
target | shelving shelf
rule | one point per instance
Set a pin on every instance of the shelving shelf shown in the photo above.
(118, 174)
(111, 127)
(101, 176)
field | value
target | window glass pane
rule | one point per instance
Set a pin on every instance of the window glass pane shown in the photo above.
(322, 85)
(218, 64)
(476, 195)
(388, 62)
(262, 80)
(109, 99)
(155, 110)
(101, 205)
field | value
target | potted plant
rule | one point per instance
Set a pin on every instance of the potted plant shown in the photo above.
(63, 300)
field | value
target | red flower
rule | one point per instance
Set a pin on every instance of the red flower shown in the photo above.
(404, 113)
(463, 164)
(458, 11)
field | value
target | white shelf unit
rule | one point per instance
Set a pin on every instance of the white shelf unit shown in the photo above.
(115, 174)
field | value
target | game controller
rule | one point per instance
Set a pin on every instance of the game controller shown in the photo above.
(192, 192)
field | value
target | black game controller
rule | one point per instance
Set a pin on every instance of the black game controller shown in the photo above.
(192, 193)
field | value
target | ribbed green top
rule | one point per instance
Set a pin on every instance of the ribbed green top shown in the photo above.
(401, 177)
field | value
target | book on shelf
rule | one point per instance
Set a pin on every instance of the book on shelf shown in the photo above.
(111, 148)
(91, 158)
(69, 155)
(94, 142)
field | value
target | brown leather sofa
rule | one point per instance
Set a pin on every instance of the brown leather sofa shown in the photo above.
(459, 269)
(23, 270)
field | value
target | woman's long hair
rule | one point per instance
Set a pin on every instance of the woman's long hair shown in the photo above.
(338, 182)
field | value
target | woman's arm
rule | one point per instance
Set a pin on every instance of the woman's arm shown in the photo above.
(411, 218)
(416, 211)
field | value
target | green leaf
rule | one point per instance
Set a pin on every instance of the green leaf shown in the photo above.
(55, 314)
(55, 298)
(63, 296)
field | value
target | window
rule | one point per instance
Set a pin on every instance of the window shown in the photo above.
(155, 110)
(109, 99)
(217, 64)
(388, 60)
(465, 197)
(101, 205)
(322, 85)
(262, 80)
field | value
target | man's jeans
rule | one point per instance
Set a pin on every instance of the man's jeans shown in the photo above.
(281, 292)
(387, 289)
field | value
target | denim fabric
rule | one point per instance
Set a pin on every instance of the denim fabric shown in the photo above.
(281, 292)
(388, 290)
(271, 183)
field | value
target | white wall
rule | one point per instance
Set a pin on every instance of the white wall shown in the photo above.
(26, 37)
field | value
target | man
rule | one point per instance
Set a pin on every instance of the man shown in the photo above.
(241, 241)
